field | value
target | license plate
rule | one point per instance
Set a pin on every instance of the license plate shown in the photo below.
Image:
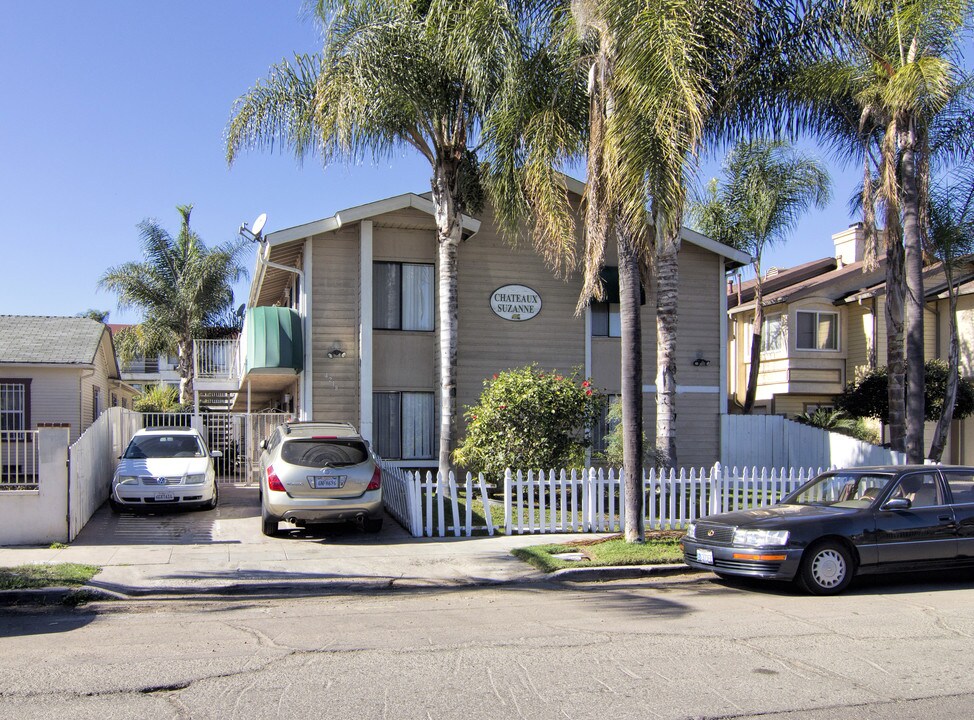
(164, 496)
(705, 556)
(327, 482)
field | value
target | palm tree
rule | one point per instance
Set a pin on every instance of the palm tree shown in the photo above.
(417, 74)
(182, 290)
(879, 92)
(768, 186)
(628, 87)
(952, 237)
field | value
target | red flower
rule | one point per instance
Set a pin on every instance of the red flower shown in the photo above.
(586, 383)
(502, 407)
(474, 417)
(495, 376)
(559, 378)
(588, 392)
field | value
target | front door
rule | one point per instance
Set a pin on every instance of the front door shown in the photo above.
(925, 531)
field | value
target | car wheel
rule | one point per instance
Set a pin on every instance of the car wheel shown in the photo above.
(268, 523)
(211, 505)
(826, 569)
(372, 525)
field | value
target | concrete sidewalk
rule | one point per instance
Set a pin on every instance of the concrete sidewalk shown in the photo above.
(224, 552)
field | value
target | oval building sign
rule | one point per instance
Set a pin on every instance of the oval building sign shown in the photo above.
(515, 302)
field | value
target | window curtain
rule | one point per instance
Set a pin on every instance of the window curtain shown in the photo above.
(417, 425)
(386, 425)
(417, 297)
(385, 296)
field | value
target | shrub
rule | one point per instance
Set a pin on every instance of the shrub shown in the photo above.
(868, 396)
(612, 456)
(528, 418)
(838, 421)
(159, 399)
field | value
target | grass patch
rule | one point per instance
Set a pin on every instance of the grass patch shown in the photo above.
(28, 577)
(661, 548)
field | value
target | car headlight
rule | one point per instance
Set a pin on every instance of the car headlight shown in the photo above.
(195, 479)
(692, 530)
(744, 536)
(126, 480)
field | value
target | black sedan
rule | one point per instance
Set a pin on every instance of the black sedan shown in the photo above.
(843, 523)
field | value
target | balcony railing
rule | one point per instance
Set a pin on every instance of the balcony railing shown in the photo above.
(141, 366)
(217, 359)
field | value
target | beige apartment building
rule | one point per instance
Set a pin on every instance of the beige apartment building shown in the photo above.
(826, 319)
(342, 326)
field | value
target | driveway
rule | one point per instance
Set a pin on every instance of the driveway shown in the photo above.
(236, 520)
(224, 551)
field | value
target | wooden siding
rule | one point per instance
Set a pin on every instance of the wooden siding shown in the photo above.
(555, 338)
(335, 317)
(861, 344)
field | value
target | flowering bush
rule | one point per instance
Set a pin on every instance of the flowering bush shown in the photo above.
(529, 418)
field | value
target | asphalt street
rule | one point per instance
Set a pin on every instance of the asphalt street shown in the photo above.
(665, 648)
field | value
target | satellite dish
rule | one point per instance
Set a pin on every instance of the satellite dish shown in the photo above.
(241, 309)
(259, 224)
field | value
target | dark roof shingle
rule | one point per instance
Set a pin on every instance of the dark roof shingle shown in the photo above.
(26, 339)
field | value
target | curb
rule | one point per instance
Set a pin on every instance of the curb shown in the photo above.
(619, 572)
(57, 595)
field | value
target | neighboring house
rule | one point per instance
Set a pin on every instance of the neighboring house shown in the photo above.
(824, 320)
(342, 326)
(143, 372)
(57, 370)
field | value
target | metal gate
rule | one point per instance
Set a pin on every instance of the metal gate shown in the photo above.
(236, 435)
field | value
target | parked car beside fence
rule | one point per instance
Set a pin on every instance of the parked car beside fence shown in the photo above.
(319, 473)
(167, 466)
(844, 523)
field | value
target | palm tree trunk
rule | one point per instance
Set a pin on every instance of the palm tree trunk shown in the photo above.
(449, 229)
(667, 287)
(632, 384)
(914, 305)
(184, 349)
(895, 291)
(756, 330)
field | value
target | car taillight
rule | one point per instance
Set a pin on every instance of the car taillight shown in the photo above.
(273, 481)
(376, 482)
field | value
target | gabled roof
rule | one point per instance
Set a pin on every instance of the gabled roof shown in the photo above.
(838, 284)
(42, 340)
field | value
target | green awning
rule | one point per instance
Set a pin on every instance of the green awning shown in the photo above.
(610, 285)
(274, 339)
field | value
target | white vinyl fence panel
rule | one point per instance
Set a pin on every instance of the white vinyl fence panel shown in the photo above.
(91, 463)
(775, 441)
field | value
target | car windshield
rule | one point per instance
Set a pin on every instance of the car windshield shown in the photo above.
(851, 490)
(324, 453)
(163, 446)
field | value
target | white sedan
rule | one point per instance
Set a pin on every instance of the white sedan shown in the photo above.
(165, 467)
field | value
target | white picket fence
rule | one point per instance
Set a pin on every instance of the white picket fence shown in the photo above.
(573, 501)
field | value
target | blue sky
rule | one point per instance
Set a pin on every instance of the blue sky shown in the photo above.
(114, 111)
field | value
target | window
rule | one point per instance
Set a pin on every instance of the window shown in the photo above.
(772, 334)
(921, 489)
(961, 486)
(402, 296)
(605, 320)
(14, 404)
(402, 425)
(95, 403)
(818, 331)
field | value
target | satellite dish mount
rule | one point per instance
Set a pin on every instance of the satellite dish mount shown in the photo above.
(255, 233)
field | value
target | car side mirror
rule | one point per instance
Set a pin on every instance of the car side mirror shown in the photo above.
(898, 504)
(216, 453)
(263, 444)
